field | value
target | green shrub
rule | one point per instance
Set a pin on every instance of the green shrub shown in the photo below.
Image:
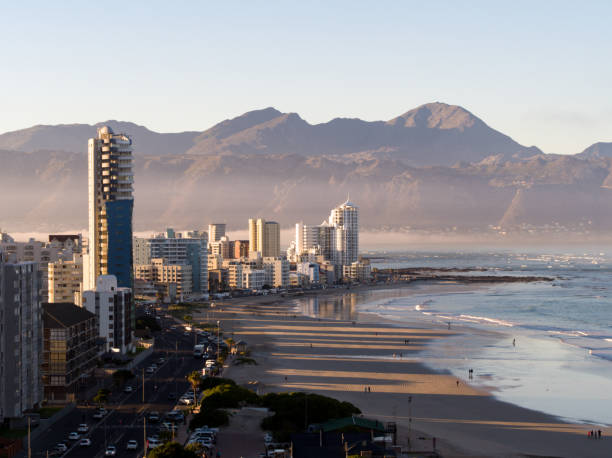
(211, 418)
(211, 382)
(171, 450)
(228, 396)
(290, 412)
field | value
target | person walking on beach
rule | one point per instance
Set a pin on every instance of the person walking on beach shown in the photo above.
(599, 433)
(514, 342)
(457, 383)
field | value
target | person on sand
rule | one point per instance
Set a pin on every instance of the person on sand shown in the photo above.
(514, 342)
(599, 433)
(457, 383)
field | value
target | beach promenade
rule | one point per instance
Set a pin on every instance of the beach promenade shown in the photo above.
(374, 366)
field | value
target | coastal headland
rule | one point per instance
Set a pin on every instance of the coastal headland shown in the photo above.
(375, 365)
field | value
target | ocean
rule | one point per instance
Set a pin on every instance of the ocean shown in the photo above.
(550, 345)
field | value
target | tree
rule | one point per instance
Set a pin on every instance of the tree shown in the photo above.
(195, 378)
(102, 396)
(171, 450)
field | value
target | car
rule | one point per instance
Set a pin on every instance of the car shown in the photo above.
(83, 428)
(74, 436)
(175, 415)
(154, 366)
(268, 438)
(150, 370)
(161, 360)
(168, 426)
(153, 416)
(100, 413)
(128, 389)
(85, 442)
(171, 396)
(111, 450)
(132, 445)
(61, 447)
(186, 401)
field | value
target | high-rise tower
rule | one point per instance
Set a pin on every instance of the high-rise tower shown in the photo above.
(264, 237)
(345, 218)
(111, 203)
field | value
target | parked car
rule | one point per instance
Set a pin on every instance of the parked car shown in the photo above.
(111, 450)
(132, 445)
(85, 442)
(186, 401)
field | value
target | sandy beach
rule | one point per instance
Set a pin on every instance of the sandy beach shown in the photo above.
(375, 365)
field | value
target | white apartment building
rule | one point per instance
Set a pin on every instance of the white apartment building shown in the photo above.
(177, 249)
(308, 272)
(277, 272)
(345, 218)
(357, 271)
(113, 307)
(215, 232)
(253, 278)
(65, 280)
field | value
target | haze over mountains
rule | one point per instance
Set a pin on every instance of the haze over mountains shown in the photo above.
(435, 167)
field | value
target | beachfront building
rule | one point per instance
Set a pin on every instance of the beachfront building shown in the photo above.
(159, 273)
(308, 273)
(277, 272)
(70, 350)
(264, 237)
(190, 248)
(21, 345)
(360, 271)
(345, 219)
(114, 310)
(65, 279)
(111, 202)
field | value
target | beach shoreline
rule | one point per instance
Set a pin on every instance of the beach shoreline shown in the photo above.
(345, 358)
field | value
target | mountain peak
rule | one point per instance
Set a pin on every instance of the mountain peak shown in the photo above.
(437, 115)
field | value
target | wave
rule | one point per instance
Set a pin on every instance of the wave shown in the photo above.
(485, 320)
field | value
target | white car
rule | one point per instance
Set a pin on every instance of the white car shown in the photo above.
(132, 445)
(111, 450)
(128, 389)
(268, 438)
(74, 436)
(150, 370)
(85, 442)
(99, 414)
(61, 447)
(186, 401)
(83, 428)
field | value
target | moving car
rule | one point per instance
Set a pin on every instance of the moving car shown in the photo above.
(153, 416)
(99, 413)
(61, 447)
(85, 442)
(83, 428)
(150, 370)
(111, 450)
(74, 436)
(128, 389)
(132, 445)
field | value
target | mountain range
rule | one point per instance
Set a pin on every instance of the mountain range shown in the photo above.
(434, 167)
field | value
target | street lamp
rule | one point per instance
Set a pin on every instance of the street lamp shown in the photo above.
(218, 338)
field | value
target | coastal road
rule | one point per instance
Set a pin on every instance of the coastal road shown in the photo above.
(125, 420)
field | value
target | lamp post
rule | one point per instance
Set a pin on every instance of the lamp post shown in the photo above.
(218, 338)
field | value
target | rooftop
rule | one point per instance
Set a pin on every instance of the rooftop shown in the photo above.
(64, 315)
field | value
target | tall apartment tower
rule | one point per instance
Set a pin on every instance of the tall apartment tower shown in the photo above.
(111, 203)
(264, 237)
(21, 338)
(345, 218)
(215, 232)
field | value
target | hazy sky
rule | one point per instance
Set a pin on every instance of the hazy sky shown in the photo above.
(540, 72)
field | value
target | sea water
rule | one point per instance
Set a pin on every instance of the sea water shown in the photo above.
(550, 348)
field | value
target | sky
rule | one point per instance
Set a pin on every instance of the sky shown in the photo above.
(538, 71)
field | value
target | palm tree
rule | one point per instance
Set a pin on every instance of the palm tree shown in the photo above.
(195, 378)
